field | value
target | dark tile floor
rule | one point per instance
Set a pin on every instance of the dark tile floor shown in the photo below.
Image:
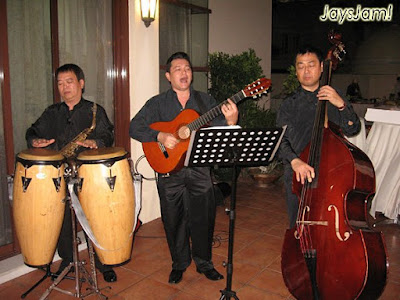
(260, 226)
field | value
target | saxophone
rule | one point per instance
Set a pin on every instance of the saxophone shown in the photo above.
(69, 149)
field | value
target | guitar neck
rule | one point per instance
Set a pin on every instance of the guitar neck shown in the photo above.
(214, 112)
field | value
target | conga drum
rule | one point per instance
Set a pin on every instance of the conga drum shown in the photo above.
(39, 202)
(106, 194)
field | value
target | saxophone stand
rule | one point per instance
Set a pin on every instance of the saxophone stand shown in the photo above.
(81, 274)
(232, 146)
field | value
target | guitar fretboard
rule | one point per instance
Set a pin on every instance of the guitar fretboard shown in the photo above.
(214, 112)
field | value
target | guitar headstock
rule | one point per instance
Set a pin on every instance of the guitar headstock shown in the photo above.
(257, 88)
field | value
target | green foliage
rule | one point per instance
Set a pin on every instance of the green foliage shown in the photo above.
(291, 82)
(231, 73)
(254, 117)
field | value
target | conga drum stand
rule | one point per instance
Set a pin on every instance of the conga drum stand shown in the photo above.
(48, 274)
(230, 146)
(81, 274)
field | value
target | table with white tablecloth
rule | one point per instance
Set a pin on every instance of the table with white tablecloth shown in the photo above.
(383, 148)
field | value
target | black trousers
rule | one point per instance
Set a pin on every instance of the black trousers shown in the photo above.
(65, 242)
(292, 201)
(188, 213)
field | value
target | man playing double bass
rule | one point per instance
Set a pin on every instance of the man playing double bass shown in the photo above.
(298, 111)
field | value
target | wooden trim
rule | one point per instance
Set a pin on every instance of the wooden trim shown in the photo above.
(121, 69)
(6, 90)
(12, 248)
(194, 9)
(55, 57)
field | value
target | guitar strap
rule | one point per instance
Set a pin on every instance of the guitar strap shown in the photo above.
(199, 102)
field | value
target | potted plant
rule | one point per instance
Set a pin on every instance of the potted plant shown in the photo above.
(264, 176)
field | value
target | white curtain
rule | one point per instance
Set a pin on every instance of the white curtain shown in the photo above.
(85, 39)
(29, 51)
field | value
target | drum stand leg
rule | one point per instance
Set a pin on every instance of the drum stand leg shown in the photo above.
(81, 274)
(48, 274)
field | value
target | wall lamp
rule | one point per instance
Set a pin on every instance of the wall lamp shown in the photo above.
(148, 9)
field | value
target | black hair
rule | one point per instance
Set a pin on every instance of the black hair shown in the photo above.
(178, 55)
(71, 68)
(309, 49)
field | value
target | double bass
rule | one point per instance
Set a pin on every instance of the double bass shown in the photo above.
(332, 253)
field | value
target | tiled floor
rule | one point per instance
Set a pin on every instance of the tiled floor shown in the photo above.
(260, 226)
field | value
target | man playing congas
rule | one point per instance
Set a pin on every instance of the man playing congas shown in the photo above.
(57, 127)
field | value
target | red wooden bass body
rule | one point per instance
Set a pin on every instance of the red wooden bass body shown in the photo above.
(351, 261)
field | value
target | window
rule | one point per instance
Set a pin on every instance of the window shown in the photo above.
(184, 27)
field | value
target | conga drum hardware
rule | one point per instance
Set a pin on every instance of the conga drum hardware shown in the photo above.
(106, 162)
(29, 163)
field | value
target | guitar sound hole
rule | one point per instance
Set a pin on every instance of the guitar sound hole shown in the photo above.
(184, 132)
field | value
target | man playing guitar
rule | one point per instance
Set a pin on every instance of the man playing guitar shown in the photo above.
(186, 195)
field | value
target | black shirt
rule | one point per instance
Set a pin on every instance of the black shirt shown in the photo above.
(298, 111)
(164, 108)
(59, 123)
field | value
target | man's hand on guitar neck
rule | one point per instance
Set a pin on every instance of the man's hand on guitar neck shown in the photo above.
(230, 112)
(167, 139)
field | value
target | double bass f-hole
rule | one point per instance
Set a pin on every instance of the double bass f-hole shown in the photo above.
(303, 222)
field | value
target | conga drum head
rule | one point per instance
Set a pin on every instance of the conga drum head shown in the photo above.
(106, 194)
(40, 155)
(101, 154)
(39, 192)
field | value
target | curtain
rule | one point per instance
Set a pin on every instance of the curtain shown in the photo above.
(29, 51)
(85, 39)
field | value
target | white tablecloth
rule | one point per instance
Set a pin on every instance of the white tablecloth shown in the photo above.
(360, 139)
(383, 148)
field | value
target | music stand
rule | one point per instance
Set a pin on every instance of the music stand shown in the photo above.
(232, 146)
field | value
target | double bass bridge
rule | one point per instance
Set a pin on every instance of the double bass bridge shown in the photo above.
(303, 222)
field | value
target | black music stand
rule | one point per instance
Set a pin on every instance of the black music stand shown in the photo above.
(232, 146)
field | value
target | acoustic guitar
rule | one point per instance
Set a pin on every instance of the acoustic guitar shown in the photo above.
(164, 160)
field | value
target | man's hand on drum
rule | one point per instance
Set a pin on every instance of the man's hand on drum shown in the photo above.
(92, 144)
(41, 143)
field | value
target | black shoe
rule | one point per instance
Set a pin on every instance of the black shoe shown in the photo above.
(175, 276)
(110, 276)
(212, 274)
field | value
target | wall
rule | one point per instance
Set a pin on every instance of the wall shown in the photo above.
(144, 83)
(237, 25)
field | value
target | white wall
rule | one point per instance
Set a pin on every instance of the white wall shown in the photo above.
(144, 83)
(237, 25)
